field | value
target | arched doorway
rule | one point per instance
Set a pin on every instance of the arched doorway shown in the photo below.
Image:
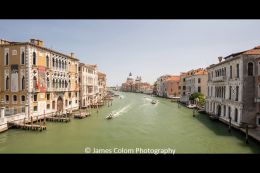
(219, 110)
(59, 104)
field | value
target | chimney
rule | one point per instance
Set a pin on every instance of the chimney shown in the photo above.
(72, 54)
(36, 42)
(220, 58)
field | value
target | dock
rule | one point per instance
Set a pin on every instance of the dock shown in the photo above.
(58, 119)
(28, 126)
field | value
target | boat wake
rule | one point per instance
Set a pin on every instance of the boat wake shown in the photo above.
(120, 111)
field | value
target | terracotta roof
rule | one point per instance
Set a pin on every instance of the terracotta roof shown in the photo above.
(173, 78)
(254, 51)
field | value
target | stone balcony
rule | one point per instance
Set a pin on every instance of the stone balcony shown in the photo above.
(219, 79)
(257, 99)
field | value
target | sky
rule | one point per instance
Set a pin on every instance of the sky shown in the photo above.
(147, 48)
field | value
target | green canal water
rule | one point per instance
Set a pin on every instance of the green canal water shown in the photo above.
(137, 124)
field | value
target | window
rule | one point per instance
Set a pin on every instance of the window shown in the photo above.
(48, 106)
(76, 101)
(35, 97)
(230, 90)
(76, 94)
(47, 61)
(48, 83)
(224, 111)
(35, 82)
(230, 75)
(198, 80)
(53, 104)
(250, 69)
(208, 91)
(69, 102)
(236, 115)
(14, 98)
(7, 98)
(199, 89)
(35, 108)
(6, 59)
(237, 70)
(48, 96)
(34, 58)
(69, 95)
(22, 58)
(22, 98)
(229, 112)
(66, 103)
(53, 62)
(237, 92)
(23, 83)
(7, 83)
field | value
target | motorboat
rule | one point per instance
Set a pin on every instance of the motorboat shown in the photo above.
(191, 106)
(154, 102)
(110, 116)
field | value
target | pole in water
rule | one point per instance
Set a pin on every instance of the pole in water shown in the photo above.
(247, 134)
(229, 127)
(31, 120)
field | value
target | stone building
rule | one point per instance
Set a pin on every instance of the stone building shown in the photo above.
(102, 88)
(193, 81)
(44, 79)
(88, 84)
(160, 89)
(233, 87)
(171, 87)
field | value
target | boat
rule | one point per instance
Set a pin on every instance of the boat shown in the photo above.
(191, 106)
(154, 102)
(116, 95)
(110, 116)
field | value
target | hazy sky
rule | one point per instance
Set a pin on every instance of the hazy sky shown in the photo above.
(148, 48)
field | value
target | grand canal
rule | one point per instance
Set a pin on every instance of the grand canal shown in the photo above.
(137, 123)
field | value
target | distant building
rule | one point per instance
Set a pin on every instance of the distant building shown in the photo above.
(191, 82)
(136, 85)
(171, 87)
(88, 85)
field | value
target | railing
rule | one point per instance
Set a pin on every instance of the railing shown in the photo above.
(219, 79)
(14, 110)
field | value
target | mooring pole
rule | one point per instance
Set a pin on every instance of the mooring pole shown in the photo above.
(229, 127)
(247, 134)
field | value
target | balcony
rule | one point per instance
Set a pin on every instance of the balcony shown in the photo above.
(219, 79)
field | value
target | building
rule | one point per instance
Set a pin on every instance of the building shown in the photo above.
(136, 85)
(88, 85)
(44, 79)
(193, 81)
(171, 87)
(102, 88)
(233, 88)
(160, 89)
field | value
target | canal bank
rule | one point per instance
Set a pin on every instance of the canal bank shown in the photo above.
(137, 124)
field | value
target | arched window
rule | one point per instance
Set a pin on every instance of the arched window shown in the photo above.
(22, 58)
(47, 61)
(66, 84)
(62, 65)
(35, 82)
(7, 98)
(236, 115)
(6, 59)
(7, 83)
(53, 62)
(62, 84)
(23, 83)
(23, 98)
(65, 65)
(53, 83)
(34, 58)
(59, 83)
(229, 112)
(59, 64)
(250, 69)
(48, 82)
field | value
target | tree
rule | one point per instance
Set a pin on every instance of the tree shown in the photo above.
(200, 97)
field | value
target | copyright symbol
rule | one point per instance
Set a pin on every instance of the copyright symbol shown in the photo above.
(87, 150)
